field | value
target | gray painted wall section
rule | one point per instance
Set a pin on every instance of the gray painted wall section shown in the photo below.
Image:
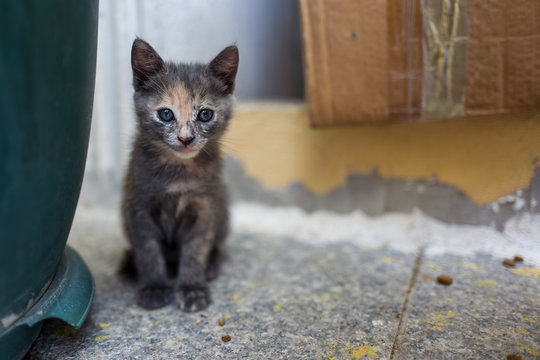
(376, 196)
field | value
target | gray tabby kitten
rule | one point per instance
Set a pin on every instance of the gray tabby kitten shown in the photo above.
(175, 204)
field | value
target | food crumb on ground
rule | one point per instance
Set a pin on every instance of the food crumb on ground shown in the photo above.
(509, 262)
(444, 280)
(513, 357)
(518, 258)
(221, 321)
(226, 338)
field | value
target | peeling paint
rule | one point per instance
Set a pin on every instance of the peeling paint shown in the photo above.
(439, 319)
(361, 351)
(237, 299)
(532, 351)
(516, 200)
(472, 266)
(529, 272)
(486, 283)
(352, 352)
(490, 148)
(324, 298)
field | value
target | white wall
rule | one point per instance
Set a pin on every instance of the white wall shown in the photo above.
(267, 33)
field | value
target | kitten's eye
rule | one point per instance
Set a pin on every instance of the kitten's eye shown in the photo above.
(165, 114)
(205, 115)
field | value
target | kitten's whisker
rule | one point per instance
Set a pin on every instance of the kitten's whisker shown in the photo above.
(161, 86)
(229, 146)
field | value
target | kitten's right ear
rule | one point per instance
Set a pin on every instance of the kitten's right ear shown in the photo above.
(145, 62)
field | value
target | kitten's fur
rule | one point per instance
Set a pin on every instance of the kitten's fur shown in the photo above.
(175, 205)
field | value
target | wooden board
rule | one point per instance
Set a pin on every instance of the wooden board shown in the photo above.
(503, 63)
(405, 58)
(373, 61)
(346, 61)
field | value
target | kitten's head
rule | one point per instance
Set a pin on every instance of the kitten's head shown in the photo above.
(183, 108)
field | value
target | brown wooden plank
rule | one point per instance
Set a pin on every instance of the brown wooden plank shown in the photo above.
(503, 66)
(346, 61)
(405, 58)
(315, 62)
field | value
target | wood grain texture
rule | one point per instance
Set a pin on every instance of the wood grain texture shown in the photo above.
(503, 63)
(315, 61)
(405, 58)
(346, 61)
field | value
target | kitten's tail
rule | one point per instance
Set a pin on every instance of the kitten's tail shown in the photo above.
(127, 268)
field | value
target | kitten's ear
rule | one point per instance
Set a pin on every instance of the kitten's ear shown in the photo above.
(145, 62)
(225, 65)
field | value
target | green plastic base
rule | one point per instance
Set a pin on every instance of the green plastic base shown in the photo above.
(68, 298)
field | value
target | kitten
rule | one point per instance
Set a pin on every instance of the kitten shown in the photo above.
(175, 204)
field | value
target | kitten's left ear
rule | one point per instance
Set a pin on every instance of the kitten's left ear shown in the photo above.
(225, 65)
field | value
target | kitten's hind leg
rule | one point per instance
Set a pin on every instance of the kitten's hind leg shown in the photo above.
(127, 268)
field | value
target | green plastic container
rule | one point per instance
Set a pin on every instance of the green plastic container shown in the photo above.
(47, 72)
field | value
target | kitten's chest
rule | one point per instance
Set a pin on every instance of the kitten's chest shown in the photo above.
(184, 187)
(180, 196)
(185, 194)
(175, 213)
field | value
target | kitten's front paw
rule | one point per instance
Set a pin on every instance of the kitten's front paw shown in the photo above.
(194, 298)
(155, 296)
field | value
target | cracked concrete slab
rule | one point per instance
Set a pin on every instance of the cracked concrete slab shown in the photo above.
(282, 299)
(314, 286)
(488, 312)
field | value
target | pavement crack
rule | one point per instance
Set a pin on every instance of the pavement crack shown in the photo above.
(405, 309)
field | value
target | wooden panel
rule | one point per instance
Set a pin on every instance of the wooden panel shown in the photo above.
(484, 87)
(503, 66)
(405, 58)
(346, 61)
(315, 62)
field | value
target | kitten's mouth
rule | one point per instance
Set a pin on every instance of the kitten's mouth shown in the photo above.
(186, 150)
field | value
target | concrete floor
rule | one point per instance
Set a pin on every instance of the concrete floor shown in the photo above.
(288, 299)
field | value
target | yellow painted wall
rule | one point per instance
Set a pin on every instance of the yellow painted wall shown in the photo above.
(485, 157)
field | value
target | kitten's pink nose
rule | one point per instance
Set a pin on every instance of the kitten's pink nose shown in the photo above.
(186, 140)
